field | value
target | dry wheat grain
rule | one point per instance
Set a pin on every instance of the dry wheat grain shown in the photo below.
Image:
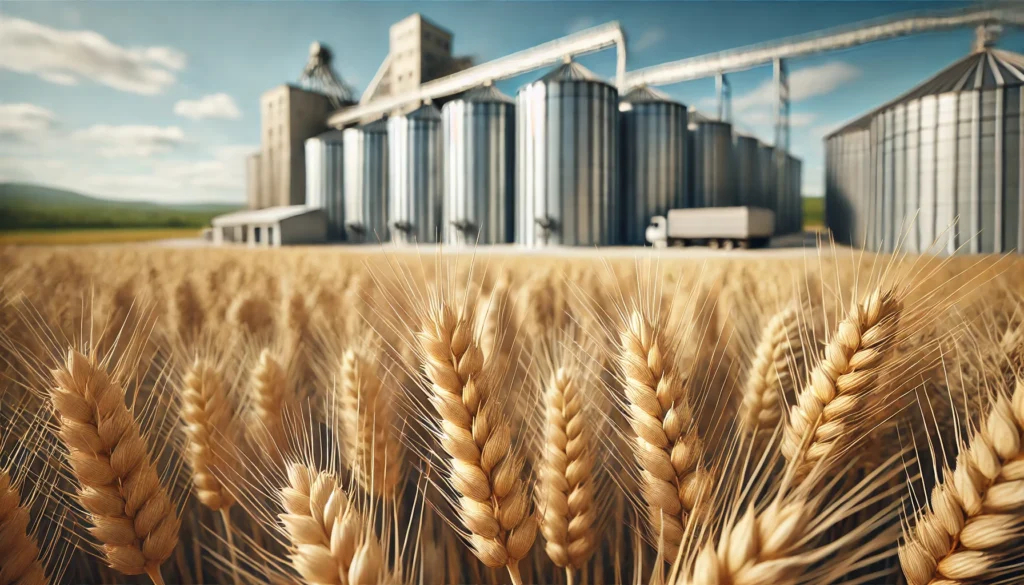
(369, 440)
(771, 375)
(133, 520)
(978, 509)
(208, 418)
(19, 559)
(493, 502)
(668, 449)
(565, 486)
(841, 383)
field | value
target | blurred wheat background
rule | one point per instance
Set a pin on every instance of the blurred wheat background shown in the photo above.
(310, 416)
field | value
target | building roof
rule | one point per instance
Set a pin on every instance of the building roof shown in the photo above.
(986, 69)
(262, 216)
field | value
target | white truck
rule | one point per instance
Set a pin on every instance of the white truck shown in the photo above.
(718, 227)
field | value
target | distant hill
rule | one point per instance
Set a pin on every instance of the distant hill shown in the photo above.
(25, 206)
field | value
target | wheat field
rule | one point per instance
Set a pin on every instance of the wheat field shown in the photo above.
(322, 417)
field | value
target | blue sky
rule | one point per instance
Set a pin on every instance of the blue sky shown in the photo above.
(158, 100)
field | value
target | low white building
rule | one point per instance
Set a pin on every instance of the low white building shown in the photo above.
(274, 226)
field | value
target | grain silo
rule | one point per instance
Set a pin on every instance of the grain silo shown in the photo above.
(366, 183)
(566, 149)
(712, 164)
(793, 216)
(652, 147)
(479, 167)
(949, 148)
(324, 179)
(414, 177)
(766, 167)
(749, 190)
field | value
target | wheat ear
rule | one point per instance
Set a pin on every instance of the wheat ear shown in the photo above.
(270, 391)
(329, 540)
(131, 513)
(770, 376)
(978, 509)
(842, 381)
(668, 449)
(20, 558)
(207, 415)
(493, 502)
(369, 440)
(565, 486)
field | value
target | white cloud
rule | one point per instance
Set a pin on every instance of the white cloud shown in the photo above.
(22, 122)
(803, 84)
(66, 57)
(648, 39)
(141, 141)
(216, 106)
(581, 23)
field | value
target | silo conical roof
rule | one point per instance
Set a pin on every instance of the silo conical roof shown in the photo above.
(486, 94)
(986, 69)
(645, 94)
(571, 71)
(380, 125)
(425, 112)
(330, 136)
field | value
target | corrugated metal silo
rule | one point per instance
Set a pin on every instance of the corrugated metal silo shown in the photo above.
(748, 171)
(712, 164)
(366, 183)
(949, 148)
(566, 154)
(766, 167)
(847, 175)
(414, 177)
(324, 179)
(653, 144)
(794, 215)
(479, 167)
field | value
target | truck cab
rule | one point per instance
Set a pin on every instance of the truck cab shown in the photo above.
(657, 232)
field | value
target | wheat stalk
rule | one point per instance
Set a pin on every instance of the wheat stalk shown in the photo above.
(668, 449)
(841, 383)
(20, 562)
(770, 377)
(130, 511)
(328, 538)
(493, 502)
(369, 441)
(565, 486)
(978, 509)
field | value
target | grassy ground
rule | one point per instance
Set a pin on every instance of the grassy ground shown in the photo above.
(94, 236)
(814, 213)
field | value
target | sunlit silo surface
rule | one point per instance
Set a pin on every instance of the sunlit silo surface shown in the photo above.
(749, 190)
(712, 164)
(652, 150)
(414, 179)
(949, 148)
(366, 183)
(324, 179)
(479, 167)
(566, 148)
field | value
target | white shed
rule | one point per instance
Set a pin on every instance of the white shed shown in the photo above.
(274, 226)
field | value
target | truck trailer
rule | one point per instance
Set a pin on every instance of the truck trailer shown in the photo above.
(716, 227)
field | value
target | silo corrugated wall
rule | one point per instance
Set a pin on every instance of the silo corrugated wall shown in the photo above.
(414, 178)
(653, 144)
(479, 168)
(366, 183)
(324, 180)
(566, 152)
(712, 165)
